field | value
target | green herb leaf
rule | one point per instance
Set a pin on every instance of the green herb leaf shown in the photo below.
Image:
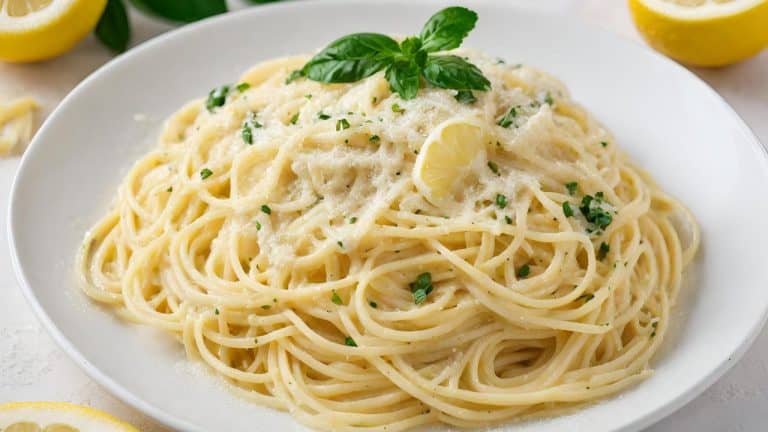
(242, 87)
(403, 78)
(604, 143)
(353, 219)
(336, 299)
(342, 124)
(266, 306)
(571, 186)
(247, 133)
(421, 287)
(501, 200)
(447, 29)
(524, 271)
(465, 97)
(258, 226)
(603, 251)
(323, 116)
(352, 58)
(493, 167)
(453, 72)
(567, 209)
(265, 209)
(396, 108)
(508, 219)
(594, 213)
(373, 304)
(182, 11)
(509, 118)
(217, 97)
(294, 119)
(348, 341)
(294, 75)
(205, 173)
(113, 29)
(374, 139)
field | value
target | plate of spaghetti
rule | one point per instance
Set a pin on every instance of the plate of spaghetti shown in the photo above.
(340, 217)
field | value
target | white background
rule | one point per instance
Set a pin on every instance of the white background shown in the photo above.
(32, 367)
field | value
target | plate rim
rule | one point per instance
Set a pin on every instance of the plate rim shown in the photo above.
(173, 421)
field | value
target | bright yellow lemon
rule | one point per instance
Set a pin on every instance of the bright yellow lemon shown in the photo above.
(703, 32)
(448, 153)
(32, 30)
(57, 417)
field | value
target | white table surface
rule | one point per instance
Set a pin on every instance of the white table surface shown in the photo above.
(32, 367)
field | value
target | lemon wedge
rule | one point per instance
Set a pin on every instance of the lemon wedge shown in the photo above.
(450, 151)
(57, 417)
(703, 32)
(32, 30)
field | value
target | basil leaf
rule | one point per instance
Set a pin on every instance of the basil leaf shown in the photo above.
(403, 77)
(452, 72)
(351, 58)
(447, 29)
(183, 11)
(113, 29)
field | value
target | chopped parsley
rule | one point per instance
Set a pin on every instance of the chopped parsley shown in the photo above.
(493, 167)
(216, 311)
(466, 97)
(508, 219)
(594, 213)
(258, 226)
(308, 96)
(217, 97)
(604, 143)
(396, 108)
(421, 287)
(170, 189)
(242, 87)
(265, 209)
(374, 139)
(295, 118)
(336, 299)
(353, 219)
(508, 119)
(603, 251)
(548, 99)
(340, 243)
(567, 209)
(342, 124)
(247, 133)
(524, 271)
(501, 200)
(348, 341)
(571, 186)
(323, 116)
(205, 173)
(373, 304)
(266, 306)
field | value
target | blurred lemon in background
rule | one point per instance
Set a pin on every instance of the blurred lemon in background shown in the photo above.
(703, 32)
(57, 417)
(32, 30)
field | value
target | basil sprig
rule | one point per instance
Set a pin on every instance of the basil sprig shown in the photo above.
(360, 55)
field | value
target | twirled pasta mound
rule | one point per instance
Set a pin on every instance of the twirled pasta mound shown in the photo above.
(278, 231)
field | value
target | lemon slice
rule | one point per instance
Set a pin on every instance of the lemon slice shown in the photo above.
(17, 121)
(450, 151)
(32, 30)
(57, 417)
(703, 32)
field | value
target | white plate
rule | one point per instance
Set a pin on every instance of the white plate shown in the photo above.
(668, 120)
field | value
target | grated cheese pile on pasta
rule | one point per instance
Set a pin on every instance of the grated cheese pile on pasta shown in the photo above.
(320, 248)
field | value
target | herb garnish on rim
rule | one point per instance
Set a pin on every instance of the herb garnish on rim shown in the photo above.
(360, 55)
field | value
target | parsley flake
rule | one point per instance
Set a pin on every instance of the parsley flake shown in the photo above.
(336, 299)
(265, 209)
(421, 287)
(501, 200)
(524, 271)
(342, 124)
(348, 341)
(205, 173)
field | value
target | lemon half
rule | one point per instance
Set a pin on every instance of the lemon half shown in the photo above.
(57, 417)
(32, 30)
(703, 32)
(447, 155)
